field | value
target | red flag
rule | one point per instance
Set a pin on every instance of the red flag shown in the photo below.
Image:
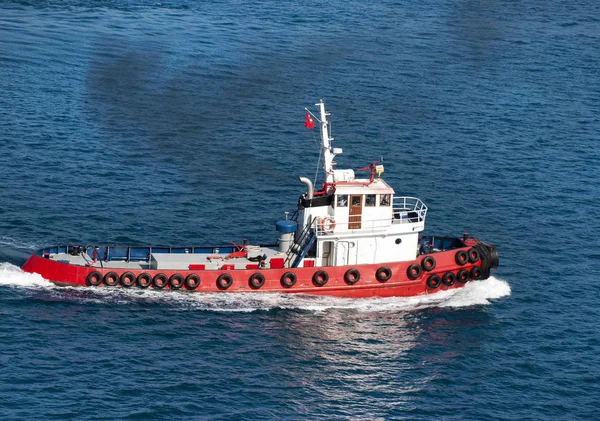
(309, 121)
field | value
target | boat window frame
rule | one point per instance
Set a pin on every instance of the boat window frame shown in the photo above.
(382, 197)
(370, 205)
(337, 202)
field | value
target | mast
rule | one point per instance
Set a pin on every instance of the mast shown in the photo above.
(328, 152)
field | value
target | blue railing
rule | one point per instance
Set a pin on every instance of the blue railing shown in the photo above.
(133, 253)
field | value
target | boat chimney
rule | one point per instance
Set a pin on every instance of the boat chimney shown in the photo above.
(309, 187)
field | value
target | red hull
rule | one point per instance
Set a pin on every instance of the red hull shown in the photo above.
(398, 285)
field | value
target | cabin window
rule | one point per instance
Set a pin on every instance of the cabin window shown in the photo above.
(342, 201)
(370, 199)
(385, 200)
(356, 200)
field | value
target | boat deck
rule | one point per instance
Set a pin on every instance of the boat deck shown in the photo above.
(165, 258)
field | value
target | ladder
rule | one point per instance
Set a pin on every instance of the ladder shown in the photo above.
(301, 245)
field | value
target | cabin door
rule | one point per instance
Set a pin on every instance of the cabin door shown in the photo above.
(355, 221)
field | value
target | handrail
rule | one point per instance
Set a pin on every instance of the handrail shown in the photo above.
(300, 243)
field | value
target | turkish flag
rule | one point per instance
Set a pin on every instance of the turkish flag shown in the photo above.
(309, 121)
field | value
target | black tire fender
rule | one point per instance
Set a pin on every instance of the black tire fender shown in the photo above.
(176, 281)
(428, 264)
(127, 279)
(352, 276)
(476, 272)
(144, 280)
(288, 279)
(320, 278)
(160, 281)
(463, 276)
(414, 271)
(434, 281)
(192, 281)
(256, 280)
(449, 278)
(461, 257)
(93, 279)
(473, 255)
(111, 279)
(384, 273)
(224, 281)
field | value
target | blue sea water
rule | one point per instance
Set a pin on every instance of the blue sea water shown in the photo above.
(180, 122)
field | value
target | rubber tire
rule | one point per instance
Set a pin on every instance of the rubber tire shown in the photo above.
(494, 257)
(144, 280)
(192, 281)
(384, 274)
(476, 272)
(160, 285)
(127, 275)
(320, 278)
(89, 281)
(352, 276)
(176, 281)
(434, 281)
(428, 266)
(256, 280)
(473, 255)
(449, 278)
(288, 279)
(463, 276)
(461, 257)
(224, 281)
(114, 276)
(414, 271)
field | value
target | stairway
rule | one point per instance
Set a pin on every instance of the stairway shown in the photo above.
(301, 246)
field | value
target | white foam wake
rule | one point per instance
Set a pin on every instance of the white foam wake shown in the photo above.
(11, 275)
(474, 293)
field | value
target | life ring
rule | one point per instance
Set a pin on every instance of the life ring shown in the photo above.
(473, 255)
(434, 281)
(144, 280)
(288, 279)
(449, 278)
(224, 281)
(462, 276)
(428, 263)
(192, 281)
(327, 224)
(461, 257)
(160, 281)
(476, 272)
(176, 281)
(94, 279)
(414, 271)
(383, 274)
(256, 281)
(111, 279)
(352, 276)
(127, 279)
(320, 278)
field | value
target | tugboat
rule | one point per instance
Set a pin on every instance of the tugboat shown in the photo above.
(352, 238)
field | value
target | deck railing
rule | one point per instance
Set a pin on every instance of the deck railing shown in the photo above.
(405, 210)
(408, 210)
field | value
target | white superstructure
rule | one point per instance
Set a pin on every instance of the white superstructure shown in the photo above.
(354, 220)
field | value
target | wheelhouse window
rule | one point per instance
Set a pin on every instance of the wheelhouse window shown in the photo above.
(385, 200)
(370, 199)
(342, 201)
